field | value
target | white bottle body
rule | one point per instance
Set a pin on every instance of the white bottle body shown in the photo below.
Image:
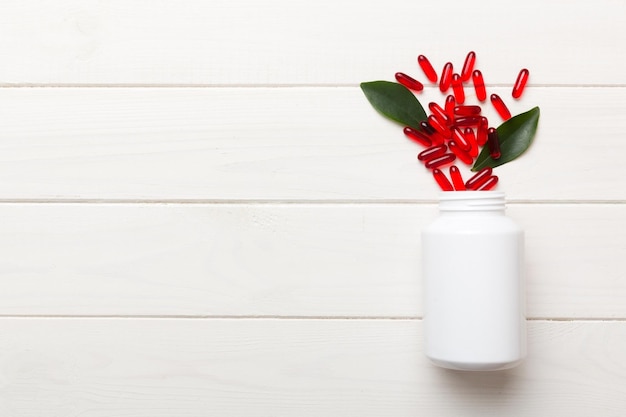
(474, 293)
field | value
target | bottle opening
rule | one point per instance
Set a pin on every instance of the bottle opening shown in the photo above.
(471, 201)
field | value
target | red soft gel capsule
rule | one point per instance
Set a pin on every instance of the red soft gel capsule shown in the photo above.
(427, 67)
(409, 82)
(479, 178)
(489, 184)
(479, 85)
(500, 107)
(467, 121)
(450, 105)
(436, 138)
(446, 77)
(459, 138)
(481, 134)
(460, 153)
(440, 161)
(440, 127)
(520, 83)
(439, 113)
(457, 89)
(442, 180)
(467, 110)
(493, 142)
(457, 179)
(471, 138)
(417, 136)
(432, 153)
(468, 66)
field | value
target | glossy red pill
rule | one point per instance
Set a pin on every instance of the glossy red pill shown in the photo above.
(427, 67)
(442, 180)
(467, 110)
(520, 83)
(493, 141)
(500, 107)
(432, 153)
(446, 77)
(481, 134)
(489, 184)
(471, 138)
(459, 138)
(440, 127)
(457, 179)
(457, 89)
(418, 137)
(479, 178)
(409, 82)
(450, 105)
(440, 161)
(468, 66)
(460, 153)
(479, 85)
(436, 138)
(439, 113)
(467, 121)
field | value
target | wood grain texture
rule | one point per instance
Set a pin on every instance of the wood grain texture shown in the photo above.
(330, 260)
(104, 367)
(280, 144)
(302, 42)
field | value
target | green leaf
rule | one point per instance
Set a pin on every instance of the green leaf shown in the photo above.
(395, 102)
(516, 135)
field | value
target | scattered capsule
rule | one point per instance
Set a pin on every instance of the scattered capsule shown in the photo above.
(481, 135)
(450, 105)
(428, 69)
(460, 140)
(446, 77)
(436, 138)
(457, 89)
(479, 85)
(440, 161)
(467, 110)
(457, 179)
(460, 153)
(439, 127)
(417, 136)
(479, 178)
(520, 83)
(494, 143)
(468, 66)
(489, 184)
(500, 107)
(467, 121)
(409, 82)
(471, 138)
(432, 153)
(441, 179)
(439, 113)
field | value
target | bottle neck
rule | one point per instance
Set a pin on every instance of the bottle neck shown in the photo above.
(472, 201)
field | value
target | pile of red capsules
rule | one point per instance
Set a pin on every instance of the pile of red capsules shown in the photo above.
(457, 130)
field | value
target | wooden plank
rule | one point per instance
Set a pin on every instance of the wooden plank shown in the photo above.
(93, 367)
(312, 260)
(280, 144)
(286, 42)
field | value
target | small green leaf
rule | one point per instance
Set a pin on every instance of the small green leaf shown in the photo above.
(395, 102)
(516, 135)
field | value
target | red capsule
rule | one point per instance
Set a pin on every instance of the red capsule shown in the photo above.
(436, 138)
(500, 107)
(481, 135)
(459, 138)
(457, 89)
(439, 127)
(450, 105)
(489, 184)
(479, 178)
(446, 77)
(417, 136)
(467, 121)
(471, 138)
(457, 179)
(520, 83)
(440, 161)
(494, 143)
(428, 69)
(468, 66)
(409, 82)
(460, 153)
(439, 113)
(479, 85)
(441, 179)
(467, 110)
(432, 153)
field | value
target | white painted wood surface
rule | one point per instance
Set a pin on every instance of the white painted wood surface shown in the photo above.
(201, 215)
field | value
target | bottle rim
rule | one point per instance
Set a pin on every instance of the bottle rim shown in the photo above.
(472, 201)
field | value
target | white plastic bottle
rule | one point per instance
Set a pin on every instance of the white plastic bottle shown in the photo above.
(474, 294)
